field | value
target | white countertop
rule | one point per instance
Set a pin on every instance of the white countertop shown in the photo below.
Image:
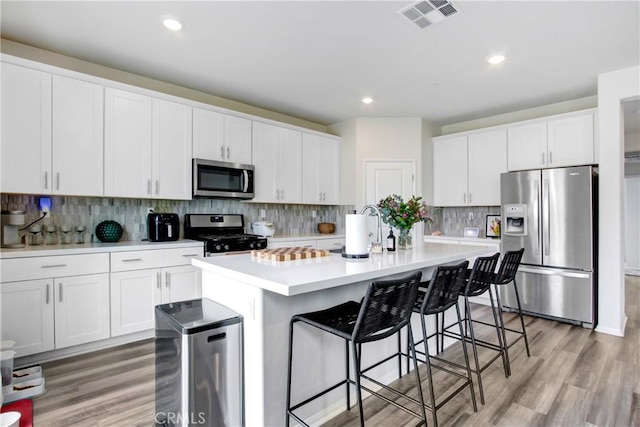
(295, 237)
(92, 248)
(301, 276)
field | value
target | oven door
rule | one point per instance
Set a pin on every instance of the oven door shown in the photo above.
(222, 180)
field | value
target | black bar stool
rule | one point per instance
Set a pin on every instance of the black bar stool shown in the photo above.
(507, 274)
(385, 309)
(479, 281)
(442, 293)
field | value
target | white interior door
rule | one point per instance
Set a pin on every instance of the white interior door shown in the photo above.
(384, 178)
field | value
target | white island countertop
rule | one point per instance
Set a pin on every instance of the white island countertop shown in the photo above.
(301, 276)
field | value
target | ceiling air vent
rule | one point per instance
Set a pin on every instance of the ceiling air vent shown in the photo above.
(424, 13)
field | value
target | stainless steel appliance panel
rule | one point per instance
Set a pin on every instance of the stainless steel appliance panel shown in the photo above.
(567, 218)
(551, 292)
(523, 188)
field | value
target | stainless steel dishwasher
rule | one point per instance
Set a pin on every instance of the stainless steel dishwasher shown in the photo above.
(199, 364)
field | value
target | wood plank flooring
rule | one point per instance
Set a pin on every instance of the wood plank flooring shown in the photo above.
(574, 377)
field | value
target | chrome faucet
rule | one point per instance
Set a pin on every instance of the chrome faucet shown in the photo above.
(377, 212)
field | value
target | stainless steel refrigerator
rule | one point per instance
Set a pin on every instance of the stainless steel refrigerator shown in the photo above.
(551, 213)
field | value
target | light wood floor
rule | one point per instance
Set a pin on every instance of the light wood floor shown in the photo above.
(574, 377)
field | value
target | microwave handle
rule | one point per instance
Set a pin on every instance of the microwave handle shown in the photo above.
(245, 174)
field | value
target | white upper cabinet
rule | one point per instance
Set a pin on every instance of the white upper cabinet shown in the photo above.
(52, 134)
(221, 137)
(487, 157)
(26, 130)
(127, 139)
(171, 150)
(467, 168)
(78, 126)
(567, 140)
(320, 169)
(450, 171)
(147, 147)
(277, 157)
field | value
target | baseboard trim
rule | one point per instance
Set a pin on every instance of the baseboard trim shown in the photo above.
(613, 331)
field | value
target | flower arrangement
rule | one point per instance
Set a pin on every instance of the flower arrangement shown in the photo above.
(398, 214)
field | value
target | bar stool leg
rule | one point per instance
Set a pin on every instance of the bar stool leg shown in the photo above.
(347, 385)
(474, 348)
(290, 359)
(356, 365)
(524, 331)
(429, 376)
(504, 330)
(501, 336)
(415, 368)
(466, 360)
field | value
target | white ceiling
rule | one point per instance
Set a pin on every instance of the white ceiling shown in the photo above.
(316, 60)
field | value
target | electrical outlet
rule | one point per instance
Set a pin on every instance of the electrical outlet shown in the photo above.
(263, 213)
(313, 214)
(45, 205)
(470, 216)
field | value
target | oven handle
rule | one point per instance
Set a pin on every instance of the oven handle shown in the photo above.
(245, 174)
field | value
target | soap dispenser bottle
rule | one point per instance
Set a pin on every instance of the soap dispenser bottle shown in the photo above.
(391, 241)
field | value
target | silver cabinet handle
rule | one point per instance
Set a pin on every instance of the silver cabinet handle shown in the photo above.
(60, 292)
(470, 198)
(157, 186)
(47, 295)
(543, 159)
(222, 152)
(149, 186)
(53, 266)
(190, 255)
(159, 280)
(228, 151)
(132, 260)
(550, 157)
(57, 180)
(166, 279)
(464, 197)
(46, 180)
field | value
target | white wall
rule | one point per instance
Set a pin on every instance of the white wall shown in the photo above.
(613, 88)
(632, 225)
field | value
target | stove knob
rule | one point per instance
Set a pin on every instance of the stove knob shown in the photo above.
(252, 245)
(218, 247)
(226, 247)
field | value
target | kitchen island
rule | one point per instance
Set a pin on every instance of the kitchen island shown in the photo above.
(268, 293)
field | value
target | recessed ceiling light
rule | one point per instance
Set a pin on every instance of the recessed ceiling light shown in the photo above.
(367, 100)
(172, 24)
(496, 59)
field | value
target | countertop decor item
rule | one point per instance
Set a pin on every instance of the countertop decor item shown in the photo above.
(289, 254)
(326, 227)
(402, 215)
(109, 231)
(493, 226)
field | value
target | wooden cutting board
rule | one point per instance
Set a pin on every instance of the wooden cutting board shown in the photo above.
(289, 254)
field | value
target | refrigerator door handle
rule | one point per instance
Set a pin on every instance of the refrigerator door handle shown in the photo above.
(550, 272)
(536, 218)
(546, 218)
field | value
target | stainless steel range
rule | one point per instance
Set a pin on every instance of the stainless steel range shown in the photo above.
(222, 233)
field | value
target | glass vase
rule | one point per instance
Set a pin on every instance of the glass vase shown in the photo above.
(405, 239)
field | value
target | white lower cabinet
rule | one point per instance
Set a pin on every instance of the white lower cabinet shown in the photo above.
(134, 295)
(46, 314)
(336, 243)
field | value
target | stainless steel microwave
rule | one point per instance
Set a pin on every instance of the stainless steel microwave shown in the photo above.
(222, 180)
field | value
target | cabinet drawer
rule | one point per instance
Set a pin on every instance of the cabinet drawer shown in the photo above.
(138, 260)
(292, 244)
(329, 244)
(18, 269)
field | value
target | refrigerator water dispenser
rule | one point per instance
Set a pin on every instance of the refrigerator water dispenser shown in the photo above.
(516, 216)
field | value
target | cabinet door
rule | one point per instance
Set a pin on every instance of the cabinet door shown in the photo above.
(208, 135)
(237, 139)
(181, 283)
(450, 172)
(264, 153)
(311, 168)
(570, 141)
(127, 144)
(487, 160)
(171, 150)
(330, 171)
(527, 146)
(78, 128)
(289, 167)
(134, 294)
(27, 315)
(81, 309)
(26, 130)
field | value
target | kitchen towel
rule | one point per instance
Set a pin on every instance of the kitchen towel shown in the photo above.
(356, 235)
